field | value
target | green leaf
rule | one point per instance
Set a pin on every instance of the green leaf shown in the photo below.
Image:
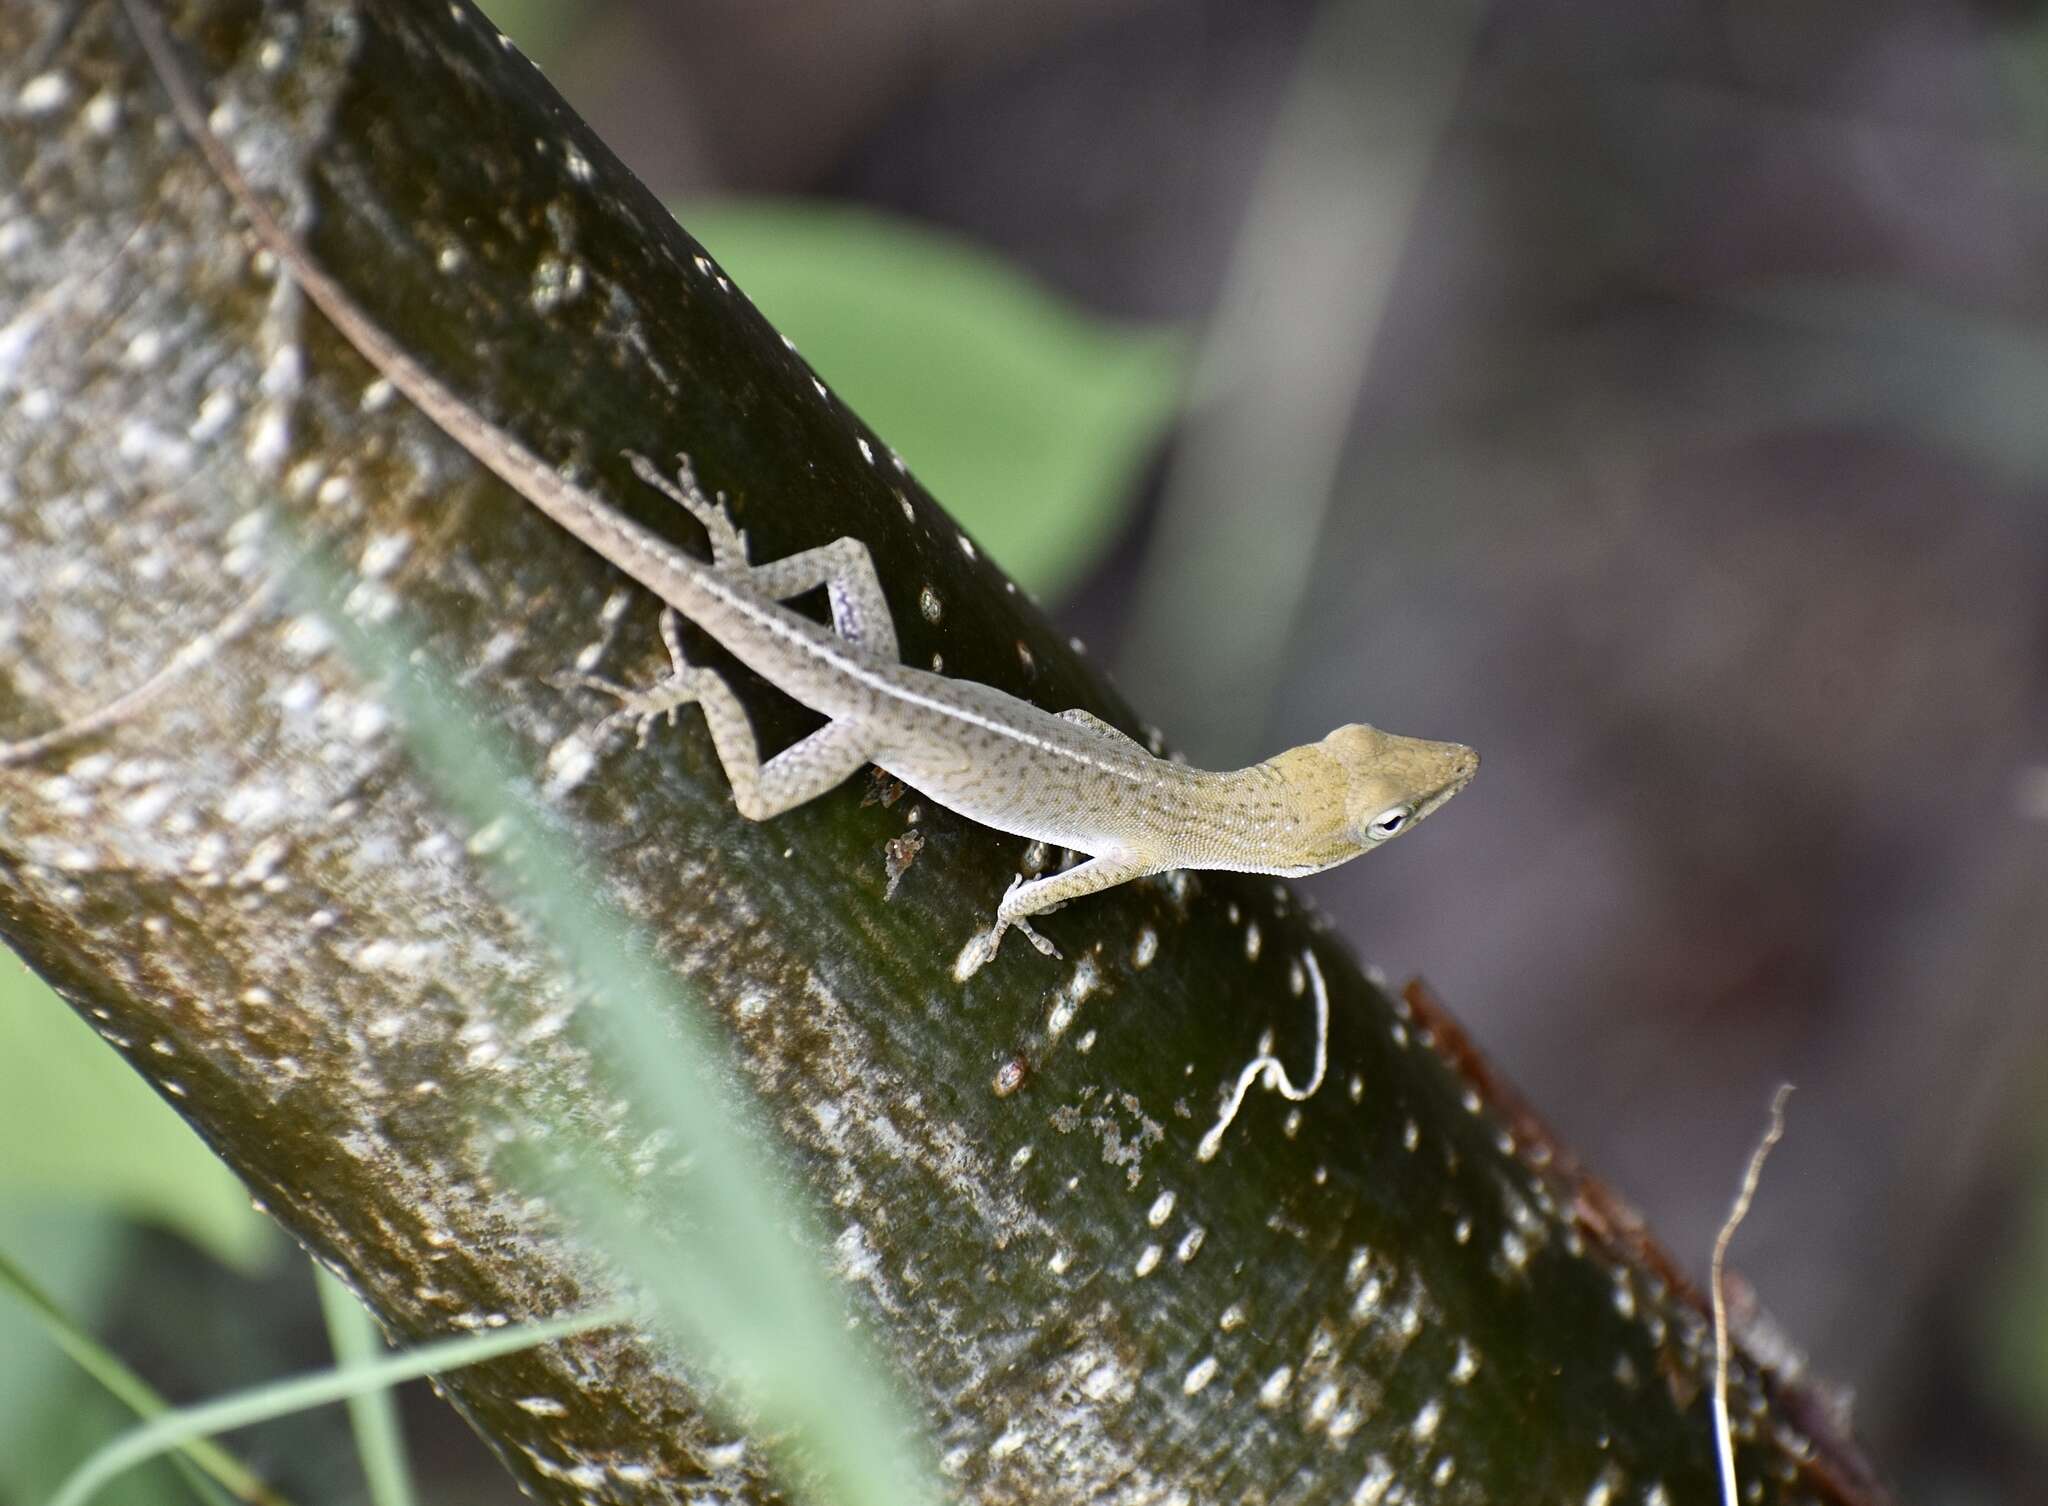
(738, 1295)
(2015, 1314)
(75, 1255)
(49, 1334)
(1029, 419)
(373, 1416)
(81, 1128)
(240, 1409)
(541, 28)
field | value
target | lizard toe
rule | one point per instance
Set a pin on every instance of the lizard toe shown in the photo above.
(1031, 935)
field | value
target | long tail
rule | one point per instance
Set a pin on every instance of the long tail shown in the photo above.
(687, 584)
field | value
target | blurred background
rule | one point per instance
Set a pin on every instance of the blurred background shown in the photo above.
(1650, 393)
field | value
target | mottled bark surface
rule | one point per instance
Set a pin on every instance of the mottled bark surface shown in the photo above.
(1391, 1292)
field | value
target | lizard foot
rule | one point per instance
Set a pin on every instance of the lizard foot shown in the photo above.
(981, 948)
(728, 543)
(664, 698)
(643, 708)
(1035, 939)
(1030, 934)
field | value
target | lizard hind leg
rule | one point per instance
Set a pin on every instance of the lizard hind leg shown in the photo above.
(644, 706)
(860, 609)
(803, 771)
(728, 543)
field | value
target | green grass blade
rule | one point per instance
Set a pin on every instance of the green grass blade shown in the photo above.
(202, 1462)
(177, 1428)
(746, 1302)
(775, 1344)
(372, 1416)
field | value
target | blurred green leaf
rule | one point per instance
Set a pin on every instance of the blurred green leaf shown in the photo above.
(37, 1462)
(540, 28)
(81, 1127)
(74, 1254)
(738, 1293)
(69, 1424)
(1026, 417)
(2015, 1316)
(2018, 54)
(373, 1416)
(150, 1440)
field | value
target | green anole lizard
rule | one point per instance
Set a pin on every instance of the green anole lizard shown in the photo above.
(1068, 779)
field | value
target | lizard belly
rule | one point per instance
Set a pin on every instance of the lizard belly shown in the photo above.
(1009, 764)
(1002, 801)
(1039, 798)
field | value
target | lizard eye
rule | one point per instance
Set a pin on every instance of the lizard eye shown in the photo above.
(1388, 823)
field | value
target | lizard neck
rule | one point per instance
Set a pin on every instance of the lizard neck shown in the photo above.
(1283, 816)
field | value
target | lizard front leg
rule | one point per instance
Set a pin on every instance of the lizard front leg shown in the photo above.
(728, 544)
(853, 590)
(1024, 899)
(803, 771)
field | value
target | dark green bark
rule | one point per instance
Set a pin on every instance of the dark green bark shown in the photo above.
(1394, 1291)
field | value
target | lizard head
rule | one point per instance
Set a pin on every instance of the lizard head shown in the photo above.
(1391, 783)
